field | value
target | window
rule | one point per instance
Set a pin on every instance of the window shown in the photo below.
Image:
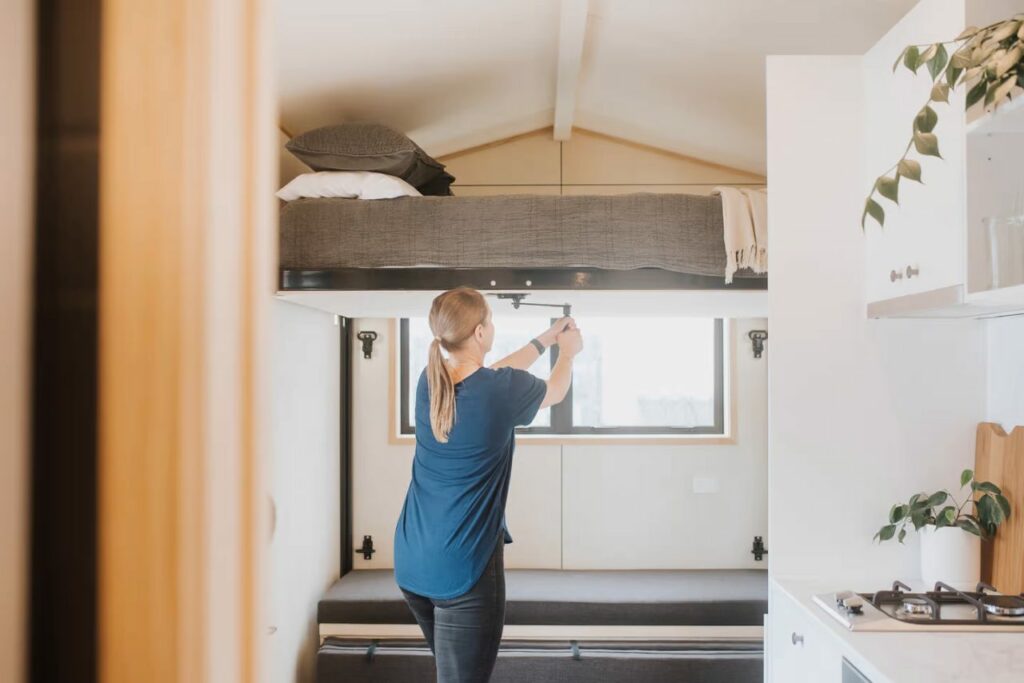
(634, 376)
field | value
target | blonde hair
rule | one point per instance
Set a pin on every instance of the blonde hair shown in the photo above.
(454, 316)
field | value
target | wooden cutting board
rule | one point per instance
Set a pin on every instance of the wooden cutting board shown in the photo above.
(999, 458)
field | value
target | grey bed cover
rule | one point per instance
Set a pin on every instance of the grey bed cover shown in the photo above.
(675, 232)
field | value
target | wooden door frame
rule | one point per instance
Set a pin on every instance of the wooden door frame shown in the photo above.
(186, 278)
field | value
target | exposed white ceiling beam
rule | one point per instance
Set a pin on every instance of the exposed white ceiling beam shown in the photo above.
(571, 30)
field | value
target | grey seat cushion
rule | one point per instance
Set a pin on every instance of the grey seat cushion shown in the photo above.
(720, 597)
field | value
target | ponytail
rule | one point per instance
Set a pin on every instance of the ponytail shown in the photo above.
(442, 394)
(454, 316)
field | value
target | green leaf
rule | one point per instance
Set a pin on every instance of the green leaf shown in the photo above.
(937, 62)
(948, 514)
(976, 93)
(874, 209)
(910, 58)
(988, 512)
(889, 188)
(925, 120)
(961, 59)
(937, 498)
(896, 64)
(897, 513)
(919, 519)
(903, 534)
(1003, 89)
(953, 74)
(1004, 504)
(940, 92)
(928, 54)
(927, 144)
(909, 168)
(1008, 61)
(1004, 31)
(969, 525)
(965, 477)
(887, 532)
(988, 487)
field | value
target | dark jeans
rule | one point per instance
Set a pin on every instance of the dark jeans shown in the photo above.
(464, 632)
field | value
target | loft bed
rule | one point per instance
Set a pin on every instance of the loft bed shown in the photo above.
(507, 242)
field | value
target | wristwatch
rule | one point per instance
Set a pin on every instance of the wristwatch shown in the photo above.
(537, 345)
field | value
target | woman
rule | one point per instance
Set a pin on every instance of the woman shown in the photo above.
(450, 537)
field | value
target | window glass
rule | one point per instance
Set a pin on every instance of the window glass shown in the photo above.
(510, 334)
(645, 372)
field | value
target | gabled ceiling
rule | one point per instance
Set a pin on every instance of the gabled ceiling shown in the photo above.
(682, 75)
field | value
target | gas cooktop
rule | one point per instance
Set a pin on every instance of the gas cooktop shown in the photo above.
(943, 609)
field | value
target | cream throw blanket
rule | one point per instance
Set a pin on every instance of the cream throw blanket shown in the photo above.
(745, 219)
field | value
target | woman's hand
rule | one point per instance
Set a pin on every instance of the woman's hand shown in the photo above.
(550, 336)
(570, 342)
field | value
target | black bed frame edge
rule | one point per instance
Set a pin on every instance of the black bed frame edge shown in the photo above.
(430, 279)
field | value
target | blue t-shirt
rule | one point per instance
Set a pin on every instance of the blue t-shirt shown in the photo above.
(454, 511)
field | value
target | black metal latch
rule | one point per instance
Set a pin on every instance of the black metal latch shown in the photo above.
(757, 338)
(758, 551)
(367, 337)
(367, 548)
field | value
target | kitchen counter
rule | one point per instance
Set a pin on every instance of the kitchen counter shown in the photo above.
(895, 657)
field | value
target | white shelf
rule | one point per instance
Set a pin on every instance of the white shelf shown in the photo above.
(1007, 118)
(1005, 298)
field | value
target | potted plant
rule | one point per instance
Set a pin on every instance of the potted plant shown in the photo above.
(988, 61)
(950, 531)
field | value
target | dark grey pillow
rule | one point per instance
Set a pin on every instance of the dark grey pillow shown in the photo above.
(371, 147)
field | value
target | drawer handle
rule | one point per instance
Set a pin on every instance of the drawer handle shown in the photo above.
(895, 275)
(912, 272)
(797, 639)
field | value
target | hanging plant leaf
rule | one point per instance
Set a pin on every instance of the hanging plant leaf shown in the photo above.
(910, 58)
(886, 532)
(953, 75)
(1003, 90)
(967, 33)
(896, 64)
(928, 54)
(937, 498)
(1008, 61)
(889, 188)
(908, 168)
(988, 487)
(873, 209)
(977, 93)
(969, 525)
(940, 92)
(1004, 31)
(937, 62)
(961, 59)
(925, 120)
(903, 534)
(1004, 504)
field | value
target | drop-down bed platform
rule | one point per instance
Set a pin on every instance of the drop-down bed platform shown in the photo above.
(618, 625)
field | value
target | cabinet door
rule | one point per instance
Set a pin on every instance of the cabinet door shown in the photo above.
(799, 648)
(926, 231)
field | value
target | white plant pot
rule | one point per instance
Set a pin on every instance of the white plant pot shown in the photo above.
(949, 554)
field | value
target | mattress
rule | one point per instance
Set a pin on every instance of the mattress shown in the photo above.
(674, 232)
(720, 597)
(340, 661)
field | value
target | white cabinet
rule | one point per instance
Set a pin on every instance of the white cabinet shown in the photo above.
(935, 255)
(799, 649)
(921, 246)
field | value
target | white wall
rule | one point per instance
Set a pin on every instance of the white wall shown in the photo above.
(863, 412)
(17, 135)
(304, 482)
(1006, 371)
(586, 506)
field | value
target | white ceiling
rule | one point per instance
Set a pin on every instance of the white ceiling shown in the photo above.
(683, 75)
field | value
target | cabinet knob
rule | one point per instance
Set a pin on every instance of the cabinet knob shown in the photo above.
(797, 639)
(912, 272)
(895, 275)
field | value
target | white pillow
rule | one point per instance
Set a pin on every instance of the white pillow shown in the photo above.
(348, 184)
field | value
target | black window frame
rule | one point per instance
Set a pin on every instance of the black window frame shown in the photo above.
(562, 413)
